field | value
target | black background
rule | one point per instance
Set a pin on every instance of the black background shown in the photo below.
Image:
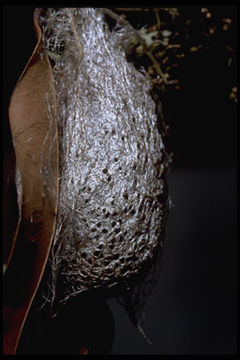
(193, 308)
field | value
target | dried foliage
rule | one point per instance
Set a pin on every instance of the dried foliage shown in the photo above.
(170, 35)
(32, 117)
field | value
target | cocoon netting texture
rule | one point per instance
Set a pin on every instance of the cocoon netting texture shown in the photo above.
(112, 157)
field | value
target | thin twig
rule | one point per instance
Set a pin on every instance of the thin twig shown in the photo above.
(148, 52)
(73, 27)
(157, 66)
(158, 18)
(121, 20)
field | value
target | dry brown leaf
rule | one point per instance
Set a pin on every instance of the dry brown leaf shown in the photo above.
(29, 121)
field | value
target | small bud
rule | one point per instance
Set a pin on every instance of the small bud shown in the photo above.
(212, 30)
(166, 33)
(174, 82)
(180, 56)
(193, 49)
(150, 71)
(165, 60)
(227, 20)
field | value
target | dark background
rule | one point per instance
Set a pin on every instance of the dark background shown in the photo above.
(193, 308)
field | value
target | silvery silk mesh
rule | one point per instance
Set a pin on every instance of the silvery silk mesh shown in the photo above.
(112, 156)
